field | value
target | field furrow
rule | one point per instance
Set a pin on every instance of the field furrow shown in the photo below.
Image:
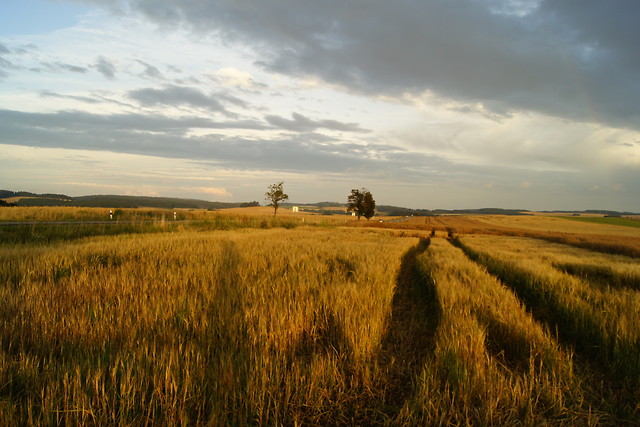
(260, 321)
(409, 339)
(492, 362)
(599, 320)
(264, 326)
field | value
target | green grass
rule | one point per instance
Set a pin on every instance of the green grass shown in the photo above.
(605, 220)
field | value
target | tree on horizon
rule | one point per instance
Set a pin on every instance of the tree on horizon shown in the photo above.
(362, 203)
(276, 195)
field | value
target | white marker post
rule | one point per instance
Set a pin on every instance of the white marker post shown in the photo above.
(110, 214)
(174, 216)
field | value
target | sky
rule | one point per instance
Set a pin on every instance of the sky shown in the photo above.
(432, 104)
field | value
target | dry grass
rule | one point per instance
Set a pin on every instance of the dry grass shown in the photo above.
(492, 364)
(47, 225)
(314, 325)
(560, 225)
(261, 326)
(621, 240)
(246, 215)
(601, 321)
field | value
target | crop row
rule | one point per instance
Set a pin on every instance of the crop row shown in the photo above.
(306, 325)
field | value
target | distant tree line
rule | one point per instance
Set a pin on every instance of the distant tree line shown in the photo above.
(249, 204)
(5, 194)
(115, 201)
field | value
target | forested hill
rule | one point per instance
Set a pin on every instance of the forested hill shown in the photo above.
(23, 198)
(399, 211)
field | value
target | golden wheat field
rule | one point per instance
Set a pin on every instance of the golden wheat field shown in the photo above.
(236, 319)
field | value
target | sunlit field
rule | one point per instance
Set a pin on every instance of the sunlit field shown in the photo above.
(568, 224)
(148, 214)
(50, 224)
(590, 300)
(216, 319)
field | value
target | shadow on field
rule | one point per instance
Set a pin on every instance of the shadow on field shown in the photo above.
(609, 365)
(410, 336)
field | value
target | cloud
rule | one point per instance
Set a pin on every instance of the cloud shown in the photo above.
(150, 71)
(170, 137)
(172, 95)
(233, 77)
(60, 67)
(5, 65)
(25, 49)
(70, 67)
(300, 123)
(85, 130)
(576, 60)
(105, 67)
(301, 153)
(448, 93)
(49, 94)
(220, 192)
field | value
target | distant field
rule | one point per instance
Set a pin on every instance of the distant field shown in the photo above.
(609, 221)
(567, 224)
(240, 318)
(266, 210)
(13, 199)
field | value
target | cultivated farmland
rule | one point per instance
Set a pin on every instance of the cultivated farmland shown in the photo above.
(232, 319)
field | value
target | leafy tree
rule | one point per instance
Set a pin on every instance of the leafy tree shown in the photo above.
(276, 195)
(369, 205)
(361, 202)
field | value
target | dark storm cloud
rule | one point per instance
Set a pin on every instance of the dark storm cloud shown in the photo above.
(609, 26)
(105, 67)
(576, 60)
(300, 123)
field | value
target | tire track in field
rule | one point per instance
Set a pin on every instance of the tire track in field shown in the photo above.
(608, 389)
(410, 336)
